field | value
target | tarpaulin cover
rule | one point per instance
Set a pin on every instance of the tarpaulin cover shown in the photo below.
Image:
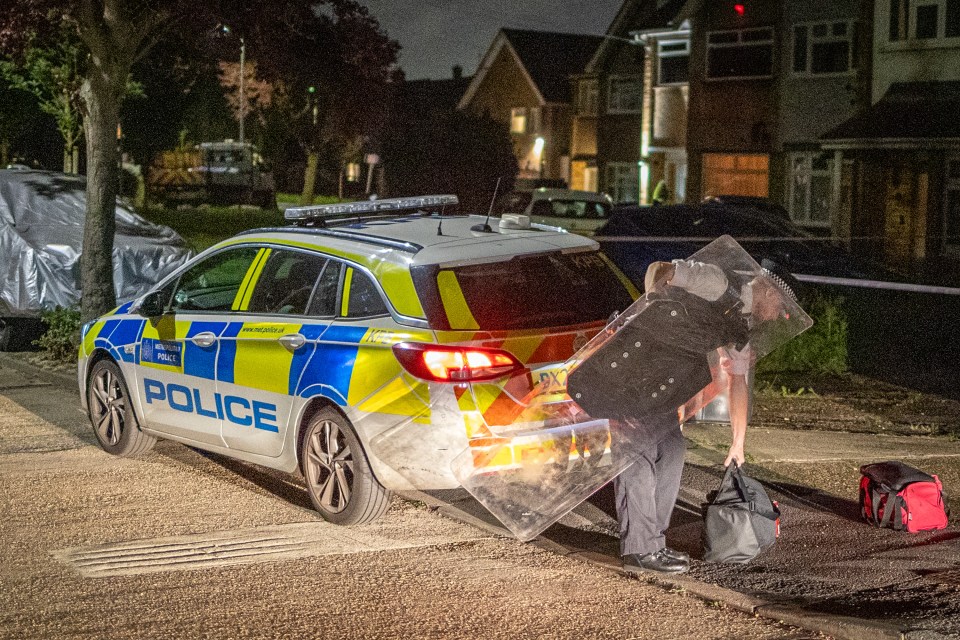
(41, 234)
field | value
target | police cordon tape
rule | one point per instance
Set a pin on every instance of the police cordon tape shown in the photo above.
(878, 284)
(831, 280)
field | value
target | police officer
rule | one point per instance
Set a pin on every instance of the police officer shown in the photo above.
(646, 491)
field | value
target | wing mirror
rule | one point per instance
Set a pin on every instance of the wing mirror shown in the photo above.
(152, 305)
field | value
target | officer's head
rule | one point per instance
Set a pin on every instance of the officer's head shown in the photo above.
(771, 289)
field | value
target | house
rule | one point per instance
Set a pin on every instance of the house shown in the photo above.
(523, 81)
(902, 189)
(620, 100)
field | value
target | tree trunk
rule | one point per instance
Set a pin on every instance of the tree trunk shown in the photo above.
(101, 98)
(309, 178)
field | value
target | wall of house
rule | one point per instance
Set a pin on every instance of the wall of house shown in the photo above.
(618, 134)
(811, 105)
(728, 116)
(908, 62)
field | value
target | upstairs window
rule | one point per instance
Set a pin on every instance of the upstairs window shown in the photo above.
(673, 60)
(518, 120)
(625, 95)
(823, 48)
(588, 92)
(741, 54)
(924, 20)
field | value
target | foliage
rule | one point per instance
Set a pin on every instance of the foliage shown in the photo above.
(822, 349)
(449, 152)
(62, 337)
(18, 113)
(332, 44)
(53, 74)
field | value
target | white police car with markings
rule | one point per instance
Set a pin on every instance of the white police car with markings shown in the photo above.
(307, 347)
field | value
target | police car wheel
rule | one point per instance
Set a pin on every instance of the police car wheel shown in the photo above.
(111, 413)
(339, 480)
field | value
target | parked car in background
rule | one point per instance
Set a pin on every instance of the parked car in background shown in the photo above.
(577, 211)
(42, 217)
(635, 236)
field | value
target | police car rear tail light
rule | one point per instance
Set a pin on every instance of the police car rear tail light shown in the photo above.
(369, 207)
(445, 363)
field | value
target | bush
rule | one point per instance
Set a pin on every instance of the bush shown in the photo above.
(62, 337)
(821, 349)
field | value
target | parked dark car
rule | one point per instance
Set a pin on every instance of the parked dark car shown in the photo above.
(635, 236)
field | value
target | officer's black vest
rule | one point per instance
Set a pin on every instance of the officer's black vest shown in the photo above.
(657, 361)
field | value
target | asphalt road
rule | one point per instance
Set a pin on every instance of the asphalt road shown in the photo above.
(180, 544)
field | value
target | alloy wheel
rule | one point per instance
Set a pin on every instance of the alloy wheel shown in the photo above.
(108, 407)
(329, 466)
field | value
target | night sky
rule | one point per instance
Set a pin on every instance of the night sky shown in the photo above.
(437, 34)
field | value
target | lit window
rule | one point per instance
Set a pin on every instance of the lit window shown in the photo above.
(625, 95)
(744, 174)
(747, 53)
(811, 179)
(353, 171)
(823, 48)
(518, 120)
(587, 97)
(673, 59)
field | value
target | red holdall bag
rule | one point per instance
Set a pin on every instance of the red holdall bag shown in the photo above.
(901, 497)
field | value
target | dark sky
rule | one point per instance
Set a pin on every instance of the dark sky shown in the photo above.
(437, 34)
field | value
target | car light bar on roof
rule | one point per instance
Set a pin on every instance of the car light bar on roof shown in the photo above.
(368, 207)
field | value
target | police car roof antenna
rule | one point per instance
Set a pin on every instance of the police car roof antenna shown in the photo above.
(485, 227)
(440, 224)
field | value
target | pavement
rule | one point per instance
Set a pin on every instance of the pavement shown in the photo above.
(829, 572)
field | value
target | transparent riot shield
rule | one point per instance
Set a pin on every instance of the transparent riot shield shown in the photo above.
(654, 366)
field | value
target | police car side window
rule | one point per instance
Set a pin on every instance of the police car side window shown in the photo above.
(363, 298)
(324, 303)
(212, 285)
(286, 282)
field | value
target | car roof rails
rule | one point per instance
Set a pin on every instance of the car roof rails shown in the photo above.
(320, 215)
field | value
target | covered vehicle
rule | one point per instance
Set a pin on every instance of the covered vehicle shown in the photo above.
(636, 236)
(41, 233)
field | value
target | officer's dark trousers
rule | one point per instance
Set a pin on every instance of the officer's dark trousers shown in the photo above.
(647, 492)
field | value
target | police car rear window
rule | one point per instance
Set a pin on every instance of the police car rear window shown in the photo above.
(526, 292)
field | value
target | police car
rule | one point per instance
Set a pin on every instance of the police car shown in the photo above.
(366, 345)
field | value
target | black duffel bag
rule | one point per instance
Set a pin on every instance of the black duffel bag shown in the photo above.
(739, 519)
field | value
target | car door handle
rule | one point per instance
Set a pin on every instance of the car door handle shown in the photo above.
(292, 341)
(205, 339)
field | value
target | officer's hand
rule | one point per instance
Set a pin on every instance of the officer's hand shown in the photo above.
(736, 453)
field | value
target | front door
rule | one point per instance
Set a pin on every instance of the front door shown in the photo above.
(178, 352)
(261, 359)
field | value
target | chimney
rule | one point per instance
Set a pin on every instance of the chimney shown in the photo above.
(457, 72)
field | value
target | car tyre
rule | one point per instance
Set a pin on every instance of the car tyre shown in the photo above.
(110, 409)
(339, 480)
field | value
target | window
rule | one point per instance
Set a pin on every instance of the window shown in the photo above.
(324, 302)
(286, 282)
(823, 48)
(747, 53)
(622, 180)
(810, 190)
(625, 95)
(673, 59)
(533, 124)
(518, 120)
(587, 97)
(527, 292)
(924, 19)
(362, 298)
(745, 174)
(952, 208)
(214, 284)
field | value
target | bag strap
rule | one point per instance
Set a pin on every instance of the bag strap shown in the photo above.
(875, 495)
(891, 512)
(749, 496)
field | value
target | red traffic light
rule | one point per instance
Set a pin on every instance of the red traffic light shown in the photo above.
(740, 9)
